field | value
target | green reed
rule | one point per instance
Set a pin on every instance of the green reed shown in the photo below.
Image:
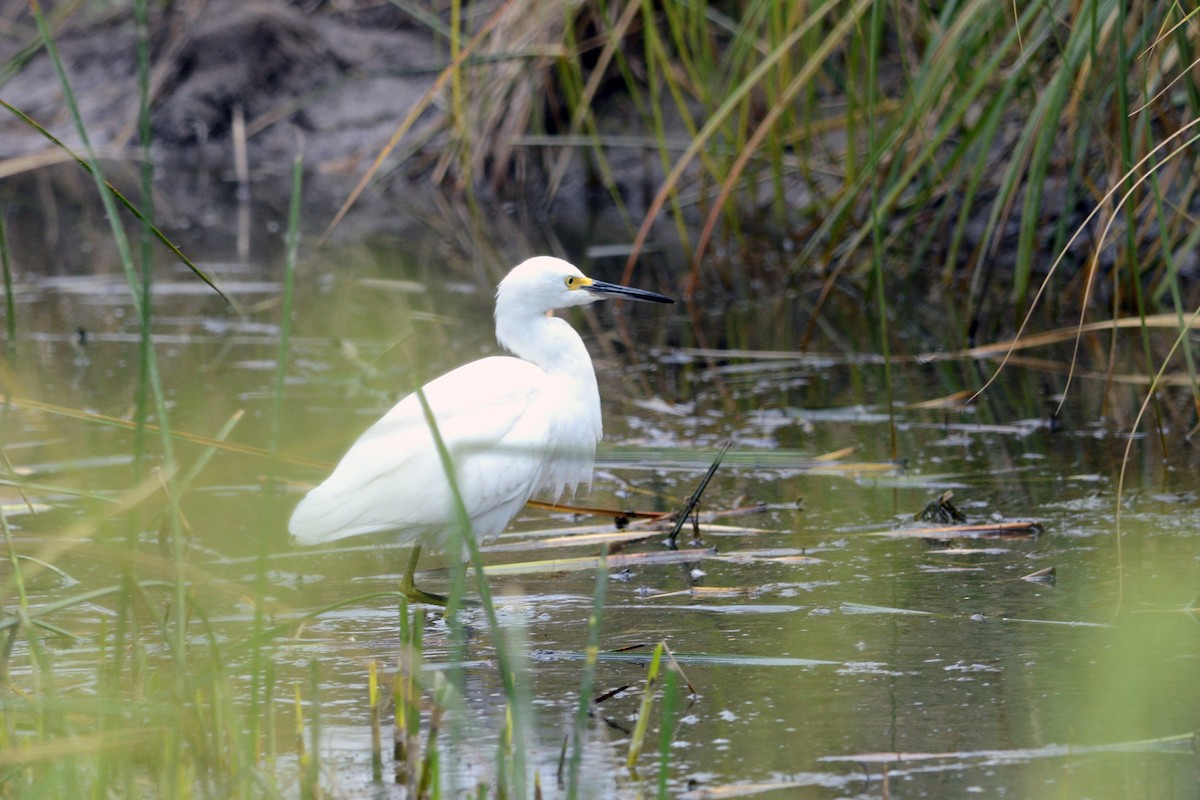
(10, 312)
(878, 278)
(504, 660)
(146, 253)
(179, 602)
(116, 193)
(587, 682)
(940, 105)
(749, 119)
(638, 739)
(666, 731)
(182, 724)
(292, 248)
(1171, 284)
(972, 131)
(108, 199)
(166, 723)
(406, 696)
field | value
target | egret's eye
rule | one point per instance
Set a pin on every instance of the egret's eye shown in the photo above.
(571, 281)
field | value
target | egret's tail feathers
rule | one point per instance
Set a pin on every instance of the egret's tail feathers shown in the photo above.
(317, 521)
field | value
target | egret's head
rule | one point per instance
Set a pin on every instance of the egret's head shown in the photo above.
(544, 283)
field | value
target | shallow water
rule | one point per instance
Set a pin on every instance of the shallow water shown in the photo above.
(828, 658)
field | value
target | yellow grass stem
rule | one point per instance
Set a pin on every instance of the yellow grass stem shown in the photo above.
(638, 738)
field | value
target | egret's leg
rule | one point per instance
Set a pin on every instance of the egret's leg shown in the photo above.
(409, 589)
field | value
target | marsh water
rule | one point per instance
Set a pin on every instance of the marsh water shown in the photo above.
(830, 655)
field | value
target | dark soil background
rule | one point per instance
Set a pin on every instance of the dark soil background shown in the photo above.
(338, 80)
(332, 82)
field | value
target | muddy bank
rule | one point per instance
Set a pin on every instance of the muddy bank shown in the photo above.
(337, 85)
(331, 83)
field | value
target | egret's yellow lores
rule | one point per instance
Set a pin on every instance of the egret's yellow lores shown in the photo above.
(512, 426)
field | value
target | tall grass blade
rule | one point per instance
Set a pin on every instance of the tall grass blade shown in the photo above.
(666, 731)
(1173, 285)
(1043, 287)
(1126, 457)
(406, 696)
(107, 195)
(587, 683)
(91, 164)
(430, 763)
(581, 108)
(191, 438)
(637, 740)
(878, 278)
(414, 113)
(292, 247)
(373, 707)
(10, 312)
(503, 657)
(146, 254)
(720, 116)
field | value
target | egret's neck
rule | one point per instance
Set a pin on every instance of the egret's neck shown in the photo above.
(554, 346)
(548, 342)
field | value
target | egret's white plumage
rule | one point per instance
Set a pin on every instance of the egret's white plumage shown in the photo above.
(513, 427)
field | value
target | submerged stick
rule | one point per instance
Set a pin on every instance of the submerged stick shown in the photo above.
(694, 500)
(593, 511)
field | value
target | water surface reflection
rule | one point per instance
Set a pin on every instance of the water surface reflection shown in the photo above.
(813, 642)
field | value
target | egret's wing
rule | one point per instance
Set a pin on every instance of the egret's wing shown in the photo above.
(392, 477)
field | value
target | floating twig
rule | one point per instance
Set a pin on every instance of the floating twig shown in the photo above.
(1017, 529)
(1048, 575)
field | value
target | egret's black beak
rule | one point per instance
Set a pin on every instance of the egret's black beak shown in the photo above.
(616, 290)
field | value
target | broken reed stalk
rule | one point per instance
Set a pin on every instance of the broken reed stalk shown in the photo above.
(406, 696)
(269, 712)
(302, 754)
(643, 720)
(311, 780)
(504, 755)
(430, 764)
(373, 710)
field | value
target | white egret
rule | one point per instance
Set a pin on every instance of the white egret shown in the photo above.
(512, 427)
